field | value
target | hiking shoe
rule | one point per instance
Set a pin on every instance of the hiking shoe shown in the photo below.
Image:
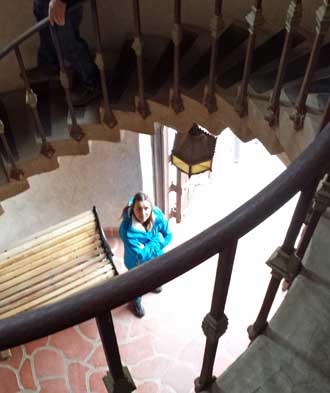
(83, 96)
(157, 290)
(138, 309)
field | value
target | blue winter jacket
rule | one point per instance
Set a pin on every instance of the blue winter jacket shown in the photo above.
(139, 245)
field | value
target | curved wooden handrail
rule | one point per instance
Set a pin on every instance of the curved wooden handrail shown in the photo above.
(96, 301)
(29, 32)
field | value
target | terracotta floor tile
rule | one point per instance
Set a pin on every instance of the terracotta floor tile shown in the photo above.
(89, 329)
(8, 381)
(16, 357)
(54, 386)
(72, 343)
(48, 362)
(31, 346)
(96, 383)
(77, 378)
(180, 377)
(148, 387)
(98, 358)
(137, 349)
(151, 369)
(26, 376)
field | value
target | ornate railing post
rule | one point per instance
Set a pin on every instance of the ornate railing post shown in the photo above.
(215, 323)
(322, 27)
(283, 261)
(75, 131)
(109, 117)
(216, 27)
(118, 379)
(254, 19)
(176, 100)
(31, 99)
(293, 19)
(15, 172)
(141, 105)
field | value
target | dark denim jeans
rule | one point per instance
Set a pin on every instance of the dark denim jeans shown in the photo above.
(75, 49)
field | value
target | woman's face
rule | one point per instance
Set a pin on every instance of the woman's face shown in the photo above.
(142, 211)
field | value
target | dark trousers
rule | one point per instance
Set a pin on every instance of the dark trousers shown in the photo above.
(75, 50)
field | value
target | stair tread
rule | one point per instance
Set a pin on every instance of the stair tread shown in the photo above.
(163, 69)
(295, 70)
(263, 55)
(232, 37)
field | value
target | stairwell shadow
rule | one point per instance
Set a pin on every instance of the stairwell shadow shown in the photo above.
(315, 278)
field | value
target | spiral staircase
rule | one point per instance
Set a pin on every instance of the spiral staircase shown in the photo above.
(265, 78)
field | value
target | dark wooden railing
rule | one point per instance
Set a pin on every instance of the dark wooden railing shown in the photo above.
(292, 23)
(220, 238)
(322, 27)
(216, 26)
(254, 20)
(176, 100)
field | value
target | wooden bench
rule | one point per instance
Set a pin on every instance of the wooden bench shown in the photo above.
(56, 263)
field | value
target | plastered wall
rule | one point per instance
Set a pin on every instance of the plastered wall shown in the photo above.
(106, 178)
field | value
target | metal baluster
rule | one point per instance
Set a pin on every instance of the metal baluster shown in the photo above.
(75, 131)
(109, 117)
(283, 262)
(31, 99)
(216, 27)
(254, 19)
(15, 172)
(292, 23)
(215, 323)
(118, 379)
(322, 27)
(176, 99)
(142, 105)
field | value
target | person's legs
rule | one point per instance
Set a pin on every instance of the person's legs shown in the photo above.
(76, 52)
(46, 54)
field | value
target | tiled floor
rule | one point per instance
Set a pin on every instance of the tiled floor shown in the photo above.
(164, 350)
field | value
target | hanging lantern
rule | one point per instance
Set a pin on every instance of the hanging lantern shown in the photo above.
(193, 152)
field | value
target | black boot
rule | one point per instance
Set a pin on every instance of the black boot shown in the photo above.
(138, 309)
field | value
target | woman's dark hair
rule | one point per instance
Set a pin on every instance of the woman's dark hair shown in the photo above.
(140, 197)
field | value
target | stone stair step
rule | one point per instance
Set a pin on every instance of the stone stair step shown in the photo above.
(163, 70)
(296, 69)
(118, 77)
(232, 37)
(264, 54)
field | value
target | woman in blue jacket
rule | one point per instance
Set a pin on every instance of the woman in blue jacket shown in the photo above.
(145, 232)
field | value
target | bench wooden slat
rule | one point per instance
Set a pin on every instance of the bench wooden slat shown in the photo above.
(91, 256)
(24, 252)
(82, 274)
(50, 253)
(27, 275)
(52, 277)
(68, 290)
(68, 252)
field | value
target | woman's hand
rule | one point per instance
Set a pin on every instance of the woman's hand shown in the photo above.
(56, 11)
